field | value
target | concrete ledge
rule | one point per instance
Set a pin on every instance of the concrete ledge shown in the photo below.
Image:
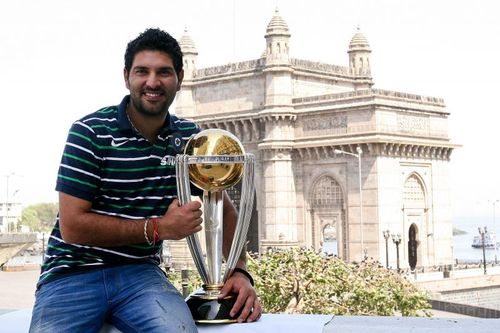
(459, 283)
(358, 324)
(18, 321)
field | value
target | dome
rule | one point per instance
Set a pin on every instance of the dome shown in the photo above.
(277, 26)
(359, 42)
(187, 44)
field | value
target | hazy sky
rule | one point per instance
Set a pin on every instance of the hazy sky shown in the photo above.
(63, 59)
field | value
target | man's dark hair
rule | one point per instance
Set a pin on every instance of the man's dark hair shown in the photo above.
(154, 39)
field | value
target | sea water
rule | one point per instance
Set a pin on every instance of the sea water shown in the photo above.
(462, 244)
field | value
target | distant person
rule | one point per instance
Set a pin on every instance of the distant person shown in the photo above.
(117, 203)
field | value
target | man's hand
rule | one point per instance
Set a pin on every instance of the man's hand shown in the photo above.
(246, 298)
(180, 221)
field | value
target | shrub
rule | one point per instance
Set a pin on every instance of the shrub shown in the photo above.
(303, 281)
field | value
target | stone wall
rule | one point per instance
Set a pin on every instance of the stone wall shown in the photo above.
(467, 295)
(229, 96)
(465, 309)
(487, 297)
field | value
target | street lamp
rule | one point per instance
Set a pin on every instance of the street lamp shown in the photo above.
(6, 216)
(483, 232)
(495, 239)
(387, 235)
(396, 238)
(358, 155)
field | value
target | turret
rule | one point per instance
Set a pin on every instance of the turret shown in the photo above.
(277, 41)
(184, 102)
(278, 68)
(359, 55)
(189, 54)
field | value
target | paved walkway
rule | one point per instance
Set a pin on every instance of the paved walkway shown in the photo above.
(17, 289)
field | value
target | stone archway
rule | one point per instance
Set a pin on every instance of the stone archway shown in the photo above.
(414, 209)
(329, 230)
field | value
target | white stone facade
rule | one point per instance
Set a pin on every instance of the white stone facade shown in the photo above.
(293, 114)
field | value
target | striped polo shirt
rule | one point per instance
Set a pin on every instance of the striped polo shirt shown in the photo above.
(105, 161)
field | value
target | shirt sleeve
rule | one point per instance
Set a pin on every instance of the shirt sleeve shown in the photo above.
(79, 171)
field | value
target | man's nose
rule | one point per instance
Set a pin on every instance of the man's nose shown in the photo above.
(153, 81)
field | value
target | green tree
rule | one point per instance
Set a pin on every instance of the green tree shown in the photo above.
(39, 217)
(303, 281)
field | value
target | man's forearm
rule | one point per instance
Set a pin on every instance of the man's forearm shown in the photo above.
(99, 230)
(79, 225)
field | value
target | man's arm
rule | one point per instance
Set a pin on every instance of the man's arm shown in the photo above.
(81, 226)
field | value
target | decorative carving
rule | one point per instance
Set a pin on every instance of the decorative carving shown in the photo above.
(322, 123)
(251, 65)
(319, 66)
(412, 151)
(371, 92)
(413, 124)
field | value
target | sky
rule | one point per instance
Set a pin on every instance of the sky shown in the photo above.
(64, 59)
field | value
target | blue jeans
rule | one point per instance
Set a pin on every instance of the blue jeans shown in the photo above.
(133, 298)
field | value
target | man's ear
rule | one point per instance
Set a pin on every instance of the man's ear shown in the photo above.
(180, 77)
(125, 77)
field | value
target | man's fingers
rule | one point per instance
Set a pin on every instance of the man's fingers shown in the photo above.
(247, 309)
(226, 289)
(257, 311)
(173, 204)
(240, 301)
(194, 205)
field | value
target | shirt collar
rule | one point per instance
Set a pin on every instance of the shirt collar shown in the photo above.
(125, 125)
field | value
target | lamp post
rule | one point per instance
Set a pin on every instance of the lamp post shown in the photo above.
(358, 155)
(495, 239)
(6, 215)
(386, 234)
(396, 238)
(483, 232)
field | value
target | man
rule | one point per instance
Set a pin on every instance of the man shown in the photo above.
(117, 203)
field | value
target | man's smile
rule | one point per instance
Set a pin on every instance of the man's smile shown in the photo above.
(153, 96)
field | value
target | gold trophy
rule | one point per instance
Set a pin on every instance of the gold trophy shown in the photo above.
(213, 161)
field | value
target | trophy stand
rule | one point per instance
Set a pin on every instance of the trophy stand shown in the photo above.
(213, 161)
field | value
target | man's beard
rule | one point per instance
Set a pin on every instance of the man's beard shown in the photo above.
(148, 109)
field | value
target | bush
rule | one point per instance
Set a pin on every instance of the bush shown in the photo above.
(303, 281)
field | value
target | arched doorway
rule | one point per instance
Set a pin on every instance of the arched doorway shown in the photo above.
(414, 215)
(327, 217)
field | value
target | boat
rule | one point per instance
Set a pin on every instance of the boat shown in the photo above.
(489, 242)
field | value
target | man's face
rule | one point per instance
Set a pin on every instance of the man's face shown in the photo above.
(152, 82)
